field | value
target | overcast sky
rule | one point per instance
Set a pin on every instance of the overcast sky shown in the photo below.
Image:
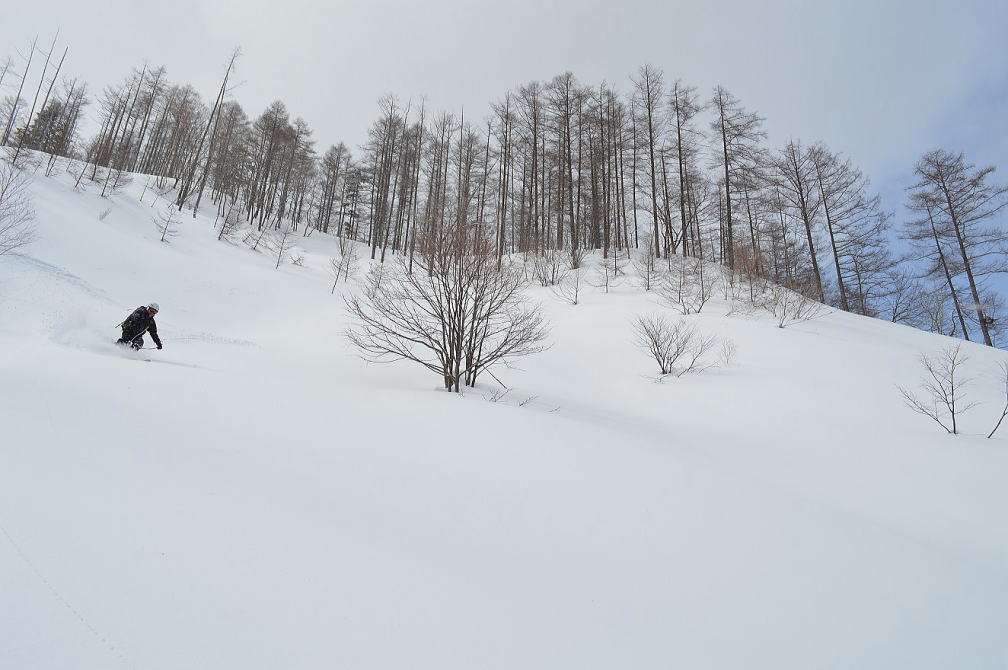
(882, 81)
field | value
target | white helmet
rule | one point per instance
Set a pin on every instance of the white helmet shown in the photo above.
(154, 306)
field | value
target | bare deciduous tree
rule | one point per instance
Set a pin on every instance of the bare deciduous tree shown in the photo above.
(230, 224)
(282, 243)
(607, 273)
(645, 262)
(167, 223)
(735, 133)
(961, 200)
(343, 265)
(942, 387)
(677, 347)
(569, 287)
(455, 314)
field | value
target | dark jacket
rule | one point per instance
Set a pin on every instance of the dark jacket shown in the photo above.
(139, 322)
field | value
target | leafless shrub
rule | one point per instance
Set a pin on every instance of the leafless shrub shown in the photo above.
(167, 222)
(343, 265)
(251, 239)
(254, 238)
(230, 224)
(455, 314)
(608, 272)
(547, 268)
(569, 288)
(102, 215)
(497, 395)
(296, 258)
(677, 348)
(689, 286)
(942, 398)
(649, 272)
(16, 212)
(747, 282)
(1004, 412)
(281, 242)
(727, 353)
(789, 307)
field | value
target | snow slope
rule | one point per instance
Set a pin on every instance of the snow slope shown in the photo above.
(259, 497)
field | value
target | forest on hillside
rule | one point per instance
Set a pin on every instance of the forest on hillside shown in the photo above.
(645, 172)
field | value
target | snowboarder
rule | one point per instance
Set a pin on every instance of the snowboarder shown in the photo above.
(136, 324)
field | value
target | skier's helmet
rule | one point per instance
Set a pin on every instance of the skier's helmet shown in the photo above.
(154, 306)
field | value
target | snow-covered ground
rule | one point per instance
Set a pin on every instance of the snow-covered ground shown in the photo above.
(259, 497)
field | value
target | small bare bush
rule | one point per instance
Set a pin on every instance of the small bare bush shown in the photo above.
(547, 268)
(569, 288)
(230, 225)
(167, 222)
(727, 353)
(941, 396)
(343, 265)
(608, 273)
(251, 239)
(102, 215)
(689, 287)
(677, 347)
(649, 271)
(790, 307)
(281, 243)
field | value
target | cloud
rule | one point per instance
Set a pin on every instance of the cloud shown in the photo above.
(882, 82)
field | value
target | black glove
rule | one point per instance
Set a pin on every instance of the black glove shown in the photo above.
(159, 345)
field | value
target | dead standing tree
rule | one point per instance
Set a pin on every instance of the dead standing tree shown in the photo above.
(15, 105)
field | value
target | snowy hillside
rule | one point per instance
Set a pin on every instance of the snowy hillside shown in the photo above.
(257, 496)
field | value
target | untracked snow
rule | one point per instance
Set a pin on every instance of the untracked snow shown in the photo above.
(258, 496)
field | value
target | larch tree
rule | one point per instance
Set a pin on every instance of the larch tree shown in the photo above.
(966, 202)
(736, 134)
